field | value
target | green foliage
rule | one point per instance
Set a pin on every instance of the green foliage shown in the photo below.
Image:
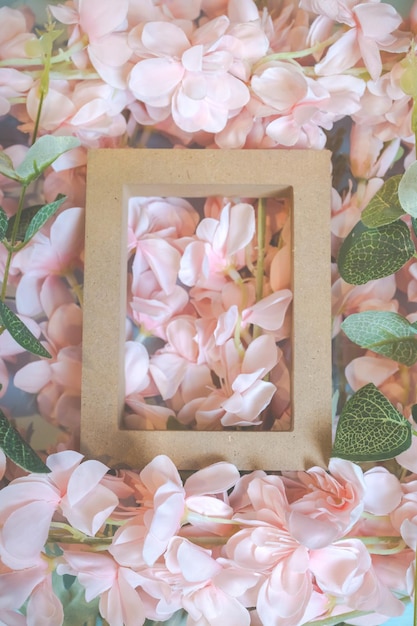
(370, 428)
(384, 332)
(371, 253)
(42, 216)
(42, 154)
(20, 332)
(6, 167)
(77, 611)
(3, 223)
(407, 190)
(384, 208)
(39, 156)
(16, 448)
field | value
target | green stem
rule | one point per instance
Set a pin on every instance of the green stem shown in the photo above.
(13, 237)
(38, 115)
(297, 54)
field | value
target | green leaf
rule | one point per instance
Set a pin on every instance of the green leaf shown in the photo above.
(17, 449)
(27, 215)
(372, 253)
(3, 223)
(20, 332)
(6, 167)
(77, 611)
(384, 332)
(385, 207)
(407, 190)
(44, 151)
(370, 428)
(43, 215)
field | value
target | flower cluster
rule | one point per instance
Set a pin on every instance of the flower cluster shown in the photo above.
(190, 287)
(256, 549)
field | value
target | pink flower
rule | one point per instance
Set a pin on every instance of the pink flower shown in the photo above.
(267, 547)
(198, 586)
(57, 253)
(34, 585)
(220, 245)
(344, 570)
(166, 504)
(71, 487)
(324, 506)
(101, 23)
(120, 603)
(197, 80)
(371, 30)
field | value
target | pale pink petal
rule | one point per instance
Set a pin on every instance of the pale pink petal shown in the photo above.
(269, 313)
(163, 259)
(56, 108)
(261, 354)
(383, 491)
(100, 17)
(90, 513)
(64, 14)
(216, 478)
(167, 372)
(341, 55)
(43, 602)
(194, 563)
(17, 545)
(154, 80)
(158, 471)
(376, 19)
(241, 227)
(242, 11)
(165, 39)
(281, 86)
(33, 376)
(84, 479)
(27, 295)
(366, 369)
(136, 367)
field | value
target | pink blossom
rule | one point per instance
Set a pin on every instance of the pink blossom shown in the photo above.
(371, 30)
(102, 24)
(324, 506)
(344, 570)
(198, 578)
(57, 253)
(120, 603)
(219, 245)
(267, 547)
(167, 504)
(198, 81)
(32, 583)
(71, 487)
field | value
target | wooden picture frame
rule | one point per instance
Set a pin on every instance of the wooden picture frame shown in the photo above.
(115, 175)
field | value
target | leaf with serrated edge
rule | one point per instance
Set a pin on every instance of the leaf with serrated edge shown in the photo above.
(371, 253)
(6, 167)
(44, 151)
(21, 333)
(17, 449)
(3, 223)
(384, 332)
(384, 208)
(43, 215)
(407, 190)
(370, 428)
